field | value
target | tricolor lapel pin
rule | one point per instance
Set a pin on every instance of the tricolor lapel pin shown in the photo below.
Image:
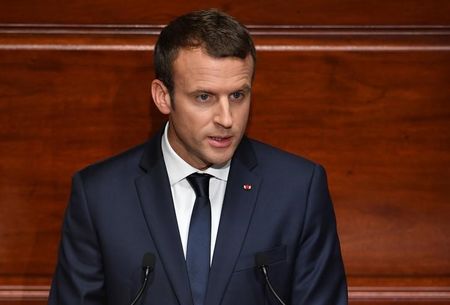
(247, 187)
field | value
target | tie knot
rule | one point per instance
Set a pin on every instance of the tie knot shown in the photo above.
(200, 184)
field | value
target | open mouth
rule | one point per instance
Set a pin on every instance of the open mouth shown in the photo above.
(220, 142)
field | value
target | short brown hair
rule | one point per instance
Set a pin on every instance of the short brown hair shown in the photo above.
(219, 34)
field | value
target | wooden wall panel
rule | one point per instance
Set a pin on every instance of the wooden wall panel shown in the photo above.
(380, 122)
(370, 102)
(59, 112)
(272, 12)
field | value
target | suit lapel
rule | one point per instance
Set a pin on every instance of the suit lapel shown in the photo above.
(239, 202)
(157, 206)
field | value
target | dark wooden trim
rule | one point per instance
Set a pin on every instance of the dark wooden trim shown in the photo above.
(259, 29)
(23, 292)
(400, 294)
(375, 294)
(267, 38)
(80, 29)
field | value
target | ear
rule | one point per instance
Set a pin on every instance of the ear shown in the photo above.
(161, 96)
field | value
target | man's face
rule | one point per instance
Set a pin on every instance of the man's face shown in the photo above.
(211, 105)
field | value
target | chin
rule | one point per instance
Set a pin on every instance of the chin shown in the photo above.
(218, 157)
(220, 161)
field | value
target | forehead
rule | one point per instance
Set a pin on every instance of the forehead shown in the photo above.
(195, 68)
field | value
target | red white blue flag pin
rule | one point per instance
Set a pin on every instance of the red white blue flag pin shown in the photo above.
(247, 187)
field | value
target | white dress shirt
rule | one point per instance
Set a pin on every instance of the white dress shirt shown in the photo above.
(184, 196)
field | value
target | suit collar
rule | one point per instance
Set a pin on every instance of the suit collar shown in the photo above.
(157, 206)
(245, 155)
(152, 153)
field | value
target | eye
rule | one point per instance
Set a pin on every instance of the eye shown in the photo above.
(203, 97)
(237, 96)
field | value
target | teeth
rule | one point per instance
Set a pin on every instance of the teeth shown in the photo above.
(218, 138)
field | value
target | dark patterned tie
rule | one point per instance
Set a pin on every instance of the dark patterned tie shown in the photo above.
(199, 240)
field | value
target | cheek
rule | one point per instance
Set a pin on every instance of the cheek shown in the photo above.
(242, 115)
(199, 119)
(195, 124)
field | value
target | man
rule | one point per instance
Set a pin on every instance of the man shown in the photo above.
(267, 212)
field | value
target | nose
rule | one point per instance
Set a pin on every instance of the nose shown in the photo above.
(223, 115)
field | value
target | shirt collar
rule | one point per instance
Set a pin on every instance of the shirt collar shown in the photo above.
(178, 169)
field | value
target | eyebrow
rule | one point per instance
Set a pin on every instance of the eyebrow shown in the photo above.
(201, 91)
(245, 88)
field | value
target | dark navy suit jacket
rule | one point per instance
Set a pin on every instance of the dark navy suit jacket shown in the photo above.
(122, 208)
